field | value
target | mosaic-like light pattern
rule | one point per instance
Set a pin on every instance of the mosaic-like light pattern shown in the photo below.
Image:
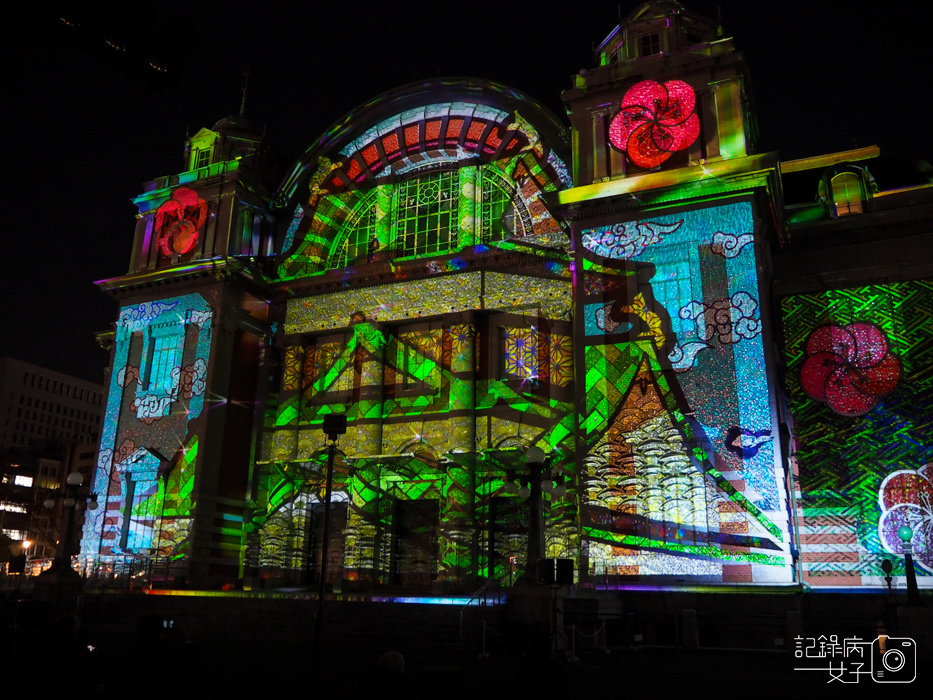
(861, 475)
(675, 376)
(146, 461)
(655, 121)
(849, 367)
(438, 295)
(421, 422)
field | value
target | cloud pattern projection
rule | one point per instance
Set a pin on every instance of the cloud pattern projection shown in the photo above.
(729, 320)
(628, 239)
(729, 245)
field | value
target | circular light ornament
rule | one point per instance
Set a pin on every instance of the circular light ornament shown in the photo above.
(906, 500)
(905, 533)
(655, 121)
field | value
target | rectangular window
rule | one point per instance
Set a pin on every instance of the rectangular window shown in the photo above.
(164, 356)
(330, 368)
(427, 214)
(160, 368)
(202, 158)
(519, 353)
(418, 358)
(649, 44)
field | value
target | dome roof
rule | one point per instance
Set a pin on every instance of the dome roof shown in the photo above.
(656, 8)
(235, 125)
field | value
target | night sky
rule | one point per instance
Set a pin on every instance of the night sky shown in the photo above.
(84, 133)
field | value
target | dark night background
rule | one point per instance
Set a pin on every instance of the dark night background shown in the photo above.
(84, 132)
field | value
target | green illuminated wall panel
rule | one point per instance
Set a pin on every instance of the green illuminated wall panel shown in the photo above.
(861, 406)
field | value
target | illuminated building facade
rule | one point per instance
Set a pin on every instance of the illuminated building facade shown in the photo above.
(464, 280)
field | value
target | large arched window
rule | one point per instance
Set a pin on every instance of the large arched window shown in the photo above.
(358, 237)
(499, 207)
(433, 211)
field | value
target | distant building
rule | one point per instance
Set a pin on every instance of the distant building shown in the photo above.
(28, 478)
(726, 359)
(40, 406)
(49, 421)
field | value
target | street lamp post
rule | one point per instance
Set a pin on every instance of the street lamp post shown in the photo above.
(905, 533)
(334, 426)
(61, 582)
(539, 482)
(537, 463)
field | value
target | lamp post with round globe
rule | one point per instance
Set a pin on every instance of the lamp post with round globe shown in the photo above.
(905, 533)
(61, 582)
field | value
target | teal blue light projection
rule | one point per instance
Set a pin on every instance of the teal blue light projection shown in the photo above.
(146, 462)
(678, 438)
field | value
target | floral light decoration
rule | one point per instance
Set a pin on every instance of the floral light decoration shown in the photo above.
(849, 367)
(906, 498)
(655, 121)
(178, 221)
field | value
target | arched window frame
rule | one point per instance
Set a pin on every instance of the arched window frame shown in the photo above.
(847, 190)
(499, 214)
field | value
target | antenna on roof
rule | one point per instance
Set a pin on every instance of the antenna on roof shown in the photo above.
(243, 90)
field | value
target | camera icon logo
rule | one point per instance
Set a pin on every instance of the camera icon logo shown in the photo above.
(893, 660)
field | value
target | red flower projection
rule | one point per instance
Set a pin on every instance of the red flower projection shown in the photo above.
(655, 121)
(849, 367)
(178, 221)
(906, 498)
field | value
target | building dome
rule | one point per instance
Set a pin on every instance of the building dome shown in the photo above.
(236, 125)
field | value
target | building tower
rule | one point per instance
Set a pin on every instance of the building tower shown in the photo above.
(174, 459)
(677, 444)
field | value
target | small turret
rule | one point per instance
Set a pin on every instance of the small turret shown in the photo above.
(216, 208)
(668, 92)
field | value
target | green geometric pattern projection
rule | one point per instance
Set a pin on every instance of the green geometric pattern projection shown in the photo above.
(427, 182)
(419, 416)
(859, 476)
(438, 410)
